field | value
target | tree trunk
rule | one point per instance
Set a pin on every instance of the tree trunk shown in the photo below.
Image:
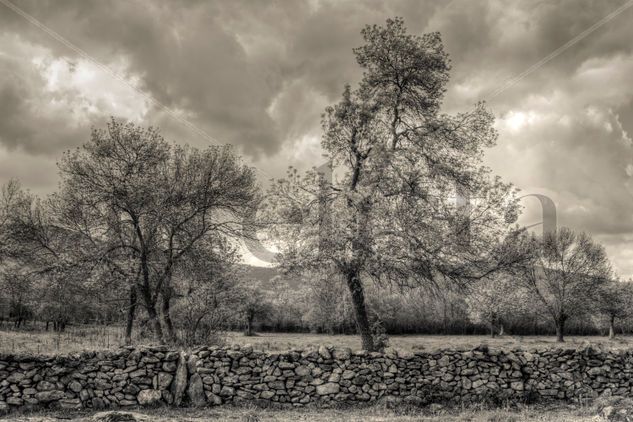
(155, 323)
(501, 330)
(492, 330)
(560, 329)
(249, 324)
(171, 333)
(152, 315)
(612, 327)
(131, 312)
(362, 321)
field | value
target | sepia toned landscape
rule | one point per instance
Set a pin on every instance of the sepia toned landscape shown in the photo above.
(316, 210)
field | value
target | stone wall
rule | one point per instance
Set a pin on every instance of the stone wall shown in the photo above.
(212, 376)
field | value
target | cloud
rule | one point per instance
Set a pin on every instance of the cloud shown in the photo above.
(259, 74)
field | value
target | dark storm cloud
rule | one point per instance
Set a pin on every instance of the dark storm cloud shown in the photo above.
(259, 74)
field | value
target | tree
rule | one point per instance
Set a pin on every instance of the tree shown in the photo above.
(493, 300)
(253, 304)
(392, 216)
(566, 267)
(207, 292)
(614, 300)
(136, 205)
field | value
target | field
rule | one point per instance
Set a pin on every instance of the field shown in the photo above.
(369, 414)
(77, 339)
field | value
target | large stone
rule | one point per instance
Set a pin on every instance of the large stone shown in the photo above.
(324, 353)
(327, 388)
(342, 353)
(149, 397)
(75, 386)
(302, 370)
(195, 391)
(49, 396)
(348, 375)
(179, 383)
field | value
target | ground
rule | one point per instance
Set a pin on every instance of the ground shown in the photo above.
(76, 339)
(371, 414)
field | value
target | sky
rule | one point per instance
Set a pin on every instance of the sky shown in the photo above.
(258, 75)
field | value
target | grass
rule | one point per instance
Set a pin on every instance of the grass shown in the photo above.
(286, 341)
(369, 414)
(80, 338)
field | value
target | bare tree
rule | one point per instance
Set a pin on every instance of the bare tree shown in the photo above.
(493, 300)
(565, 269)
(392, 216)
(614, 300)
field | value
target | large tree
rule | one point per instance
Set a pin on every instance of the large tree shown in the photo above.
(565, 271)
(411, 202)
(140, 205)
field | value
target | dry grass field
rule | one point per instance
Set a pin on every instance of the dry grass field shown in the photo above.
(368, 414)
(77, 339)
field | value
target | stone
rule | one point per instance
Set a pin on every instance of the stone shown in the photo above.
(45, 386)
(267, 394)
(327, 388)
(325, 353)
(195, 391)
(49, 396)
(302, 371)
(342, 353)
(70, 403)
(75, 386)
(164, 380)
(348, 375)
(119, 417)
(179, 383)
(517, 385)
(227, 391)
(149, 397)
(413, 400)
(15, 401)
(214, 399)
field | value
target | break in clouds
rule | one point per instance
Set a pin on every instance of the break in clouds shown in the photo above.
(259, 76)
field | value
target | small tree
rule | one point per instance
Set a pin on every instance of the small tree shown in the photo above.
(614, 301)
(493, 300)
(565, 268)
(253, 304)
(206, 292)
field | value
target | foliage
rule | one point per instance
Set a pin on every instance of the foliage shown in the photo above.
(613, 301)
(494, 300)
(564, 270)
(392, 216)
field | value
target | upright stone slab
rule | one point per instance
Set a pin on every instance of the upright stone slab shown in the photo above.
(179, 383)
(195, 391)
